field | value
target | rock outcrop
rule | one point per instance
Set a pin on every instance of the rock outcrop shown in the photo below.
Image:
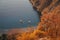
(40, 5)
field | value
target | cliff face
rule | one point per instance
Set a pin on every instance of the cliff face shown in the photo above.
(41, 5)
(50, 10)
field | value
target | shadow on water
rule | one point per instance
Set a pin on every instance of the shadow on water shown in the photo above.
(38, 12)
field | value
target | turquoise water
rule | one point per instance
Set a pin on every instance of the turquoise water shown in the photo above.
(12, 11)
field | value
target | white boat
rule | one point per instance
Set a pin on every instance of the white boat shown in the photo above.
(21, 21)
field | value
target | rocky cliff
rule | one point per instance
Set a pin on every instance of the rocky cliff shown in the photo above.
(50, 11)
(41, 5)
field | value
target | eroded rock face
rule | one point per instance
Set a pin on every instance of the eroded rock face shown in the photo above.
(50, 10)
(41, 5)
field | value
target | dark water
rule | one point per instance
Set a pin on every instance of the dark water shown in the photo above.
(12, 11)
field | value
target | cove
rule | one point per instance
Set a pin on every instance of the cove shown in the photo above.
(12, 11)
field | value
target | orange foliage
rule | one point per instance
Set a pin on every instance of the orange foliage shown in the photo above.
(51, 21)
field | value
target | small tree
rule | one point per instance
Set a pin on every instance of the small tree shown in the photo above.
(4, 37)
